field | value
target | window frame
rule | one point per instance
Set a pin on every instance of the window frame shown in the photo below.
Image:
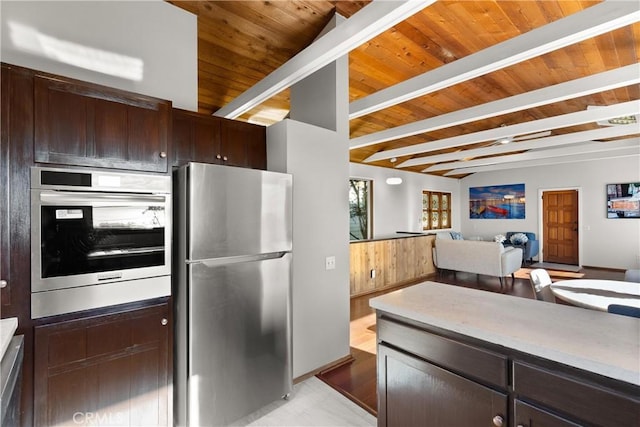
(369, 214)
(428, 210)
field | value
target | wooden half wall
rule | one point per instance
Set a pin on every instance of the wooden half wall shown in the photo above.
(395, 261)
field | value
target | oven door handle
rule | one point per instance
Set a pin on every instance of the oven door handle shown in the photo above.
(97, 199)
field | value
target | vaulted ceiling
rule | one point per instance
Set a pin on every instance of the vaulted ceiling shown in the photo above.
(442, 90)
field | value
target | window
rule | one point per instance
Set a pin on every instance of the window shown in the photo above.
(436, 210)
(360, 224)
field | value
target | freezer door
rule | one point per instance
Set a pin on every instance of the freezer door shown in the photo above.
(239, 339)
(237, 211)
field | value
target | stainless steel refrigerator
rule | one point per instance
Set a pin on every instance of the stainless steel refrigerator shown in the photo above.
(232, 292)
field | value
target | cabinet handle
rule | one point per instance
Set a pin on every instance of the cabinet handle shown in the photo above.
(225, 158)
(498, 421)
(163, 154)
(218, 157)
(520, 425)
(3, 284)
(164, 321)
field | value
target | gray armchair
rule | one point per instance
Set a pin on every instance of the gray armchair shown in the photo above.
(529, 249)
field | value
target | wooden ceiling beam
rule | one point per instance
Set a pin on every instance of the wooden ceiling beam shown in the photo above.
(364, 25)
(540, 143)
(585, 146)
(607, 80)
(595, 20)
(549, 123)
(579, 157)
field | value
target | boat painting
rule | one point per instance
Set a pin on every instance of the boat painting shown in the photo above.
(497, 202)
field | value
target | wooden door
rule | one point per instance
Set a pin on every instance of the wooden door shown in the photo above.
(560, 226)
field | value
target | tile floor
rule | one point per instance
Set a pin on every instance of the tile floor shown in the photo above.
(311, 404)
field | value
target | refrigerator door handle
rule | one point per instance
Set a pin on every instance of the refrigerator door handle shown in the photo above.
(214, 262)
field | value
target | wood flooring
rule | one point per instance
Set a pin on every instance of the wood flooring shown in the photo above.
(357, 378)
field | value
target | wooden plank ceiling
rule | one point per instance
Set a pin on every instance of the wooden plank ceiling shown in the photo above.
(241, 42)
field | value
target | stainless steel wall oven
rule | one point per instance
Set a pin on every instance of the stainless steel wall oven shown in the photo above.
(98, 239)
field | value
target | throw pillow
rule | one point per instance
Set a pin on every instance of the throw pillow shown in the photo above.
(519, 239)
(456, 236)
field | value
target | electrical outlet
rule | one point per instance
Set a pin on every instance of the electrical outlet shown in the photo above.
(330, 263)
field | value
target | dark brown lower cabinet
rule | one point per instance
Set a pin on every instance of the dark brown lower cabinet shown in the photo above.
(417, 393)
(111, 369)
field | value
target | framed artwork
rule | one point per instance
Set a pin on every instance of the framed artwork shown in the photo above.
(497, 202)
(623, 200)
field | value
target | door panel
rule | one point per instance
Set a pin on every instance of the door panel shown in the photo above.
(239, 334)
(416, 393)
(560, 226)
(237, 211)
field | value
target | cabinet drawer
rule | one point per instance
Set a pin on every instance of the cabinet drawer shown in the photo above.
(474, 362)
(579, 399)
(529, 416)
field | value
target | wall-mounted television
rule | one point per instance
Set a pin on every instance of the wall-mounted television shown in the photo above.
(623, 200)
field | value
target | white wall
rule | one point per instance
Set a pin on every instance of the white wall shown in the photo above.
(317, 158)
(399, 207)
(609, 243)
(42, 35)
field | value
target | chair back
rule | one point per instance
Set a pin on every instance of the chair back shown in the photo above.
(625, 310)
(540, 281)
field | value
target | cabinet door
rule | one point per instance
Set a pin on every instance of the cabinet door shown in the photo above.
(106, 370)
(16, 155)
(89, 125)
(243, 144)
(5, 107)
(413, 392)
(529, 416)
(196, 138)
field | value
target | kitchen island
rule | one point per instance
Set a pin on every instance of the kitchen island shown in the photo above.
(449, 355)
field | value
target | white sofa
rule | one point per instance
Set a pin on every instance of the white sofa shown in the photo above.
(472, 256)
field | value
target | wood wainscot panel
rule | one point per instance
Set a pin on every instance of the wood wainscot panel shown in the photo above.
(396, 262)
(424, 256)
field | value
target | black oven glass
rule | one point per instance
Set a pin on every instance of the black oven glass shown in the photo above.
(89, 239)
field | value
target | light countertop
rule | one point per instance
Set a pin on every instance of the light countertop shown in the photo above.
(7, 329)
(594, 341)
(397, 235)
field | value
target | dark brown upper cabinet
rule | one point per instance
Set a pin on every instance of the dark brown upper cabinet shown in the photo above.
(209, 139)
(84, 124)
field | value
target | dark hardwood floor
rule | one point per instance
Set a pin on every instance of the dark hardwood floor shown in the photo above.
(356, 379)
